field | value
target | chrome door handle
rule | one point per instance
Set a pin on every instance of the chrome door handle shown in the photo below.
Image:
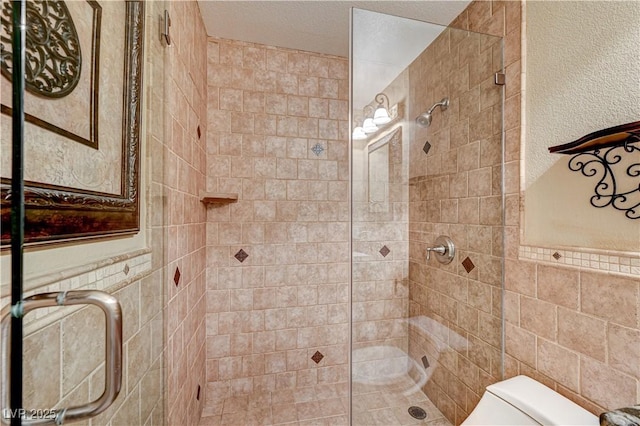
(113, 353)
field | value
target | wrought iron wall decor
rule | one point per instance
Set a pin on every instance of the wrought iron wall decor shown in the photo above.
(613, 156)
(54, 60)
(55, 213)
(52, 48)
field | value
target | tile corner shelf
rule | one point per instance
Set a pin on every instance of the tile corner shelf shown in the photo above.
(218, 198)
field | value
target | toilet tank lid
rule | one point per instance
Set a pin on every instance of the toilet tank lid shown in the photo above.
(541, 403)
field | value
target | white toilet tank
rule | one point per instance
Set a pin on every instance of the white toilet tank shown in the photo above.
(524, 401)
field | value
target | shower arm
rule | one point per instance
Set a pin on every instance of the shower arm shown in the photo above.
(444, 103)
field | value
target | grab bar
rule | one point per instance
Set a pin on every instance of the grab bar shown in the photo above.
(113, 353)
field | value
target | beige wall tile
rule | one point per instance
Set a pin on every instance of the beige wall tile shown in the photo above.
(582, 333)
(469, 210)
(558, 363)
(606, 386)
(558, 285)
(621, 295)
(538, 317)
(83, 345)
(42, 357)
(512, 307)
(521, 344)
(480, 182)
(624, 349)
(138, 355)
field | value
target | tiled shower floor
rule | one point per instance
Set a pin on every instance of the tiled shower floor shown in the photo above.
(388, 405)
(317, 405)
(325, 405)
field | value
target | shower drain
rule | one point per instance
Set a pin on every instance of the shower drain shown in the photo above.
(417, 413)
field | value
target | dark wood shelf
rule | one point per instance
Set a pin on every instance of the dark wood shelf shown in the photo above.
(611, 157)
(606, 138)
(218, 197)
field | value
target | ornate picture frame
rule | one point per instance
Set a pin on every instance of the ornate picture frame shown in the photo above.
(57, 213)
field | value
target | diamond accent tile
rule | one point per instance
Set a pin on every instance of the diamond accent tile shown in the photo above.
(126, 269)
(317, 357)
(317, 149)
(426, 147)
(557, 256)
(241, 255)
(468, 264)
(176, 276)
(384, 251)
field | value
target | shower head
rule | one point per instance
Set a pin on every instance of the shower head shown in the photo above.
(424, 119)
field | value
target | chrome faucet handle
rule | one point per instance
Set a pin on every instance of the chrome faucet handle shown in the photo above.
(438, 249)
(444, 250)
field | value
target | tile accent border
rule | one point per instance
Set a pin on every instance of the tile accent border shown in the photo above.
(100, 275)
(622, 263)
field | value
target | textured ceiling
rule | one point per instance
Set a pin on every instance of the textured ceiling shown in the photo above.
(315, 26)
(384, 45)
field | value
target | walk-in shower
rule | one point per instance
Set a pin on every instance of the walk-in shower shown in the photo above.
(424, 119)
(425, 334)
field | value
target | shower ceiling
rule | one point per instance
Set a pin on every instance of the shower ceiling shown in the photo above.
(323, 27)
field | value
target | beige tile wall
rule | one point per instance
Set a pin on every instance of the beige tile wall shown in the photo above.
(558, 328)
(546, 318)
(185, 216)
(64, 347)
(267, 108)
(455, 190)
(576, 330)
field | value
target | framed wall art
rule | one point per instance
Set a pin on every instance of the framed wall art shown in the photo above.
(82, 106)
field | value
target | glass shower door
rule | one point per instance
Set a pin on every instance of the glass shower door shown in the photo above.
(426, 335)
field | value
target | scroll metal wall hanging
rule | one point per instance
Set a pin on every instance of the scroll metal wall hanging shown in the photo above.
(53, 47)
(613, 157)
(55, 65)
(82, 88)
